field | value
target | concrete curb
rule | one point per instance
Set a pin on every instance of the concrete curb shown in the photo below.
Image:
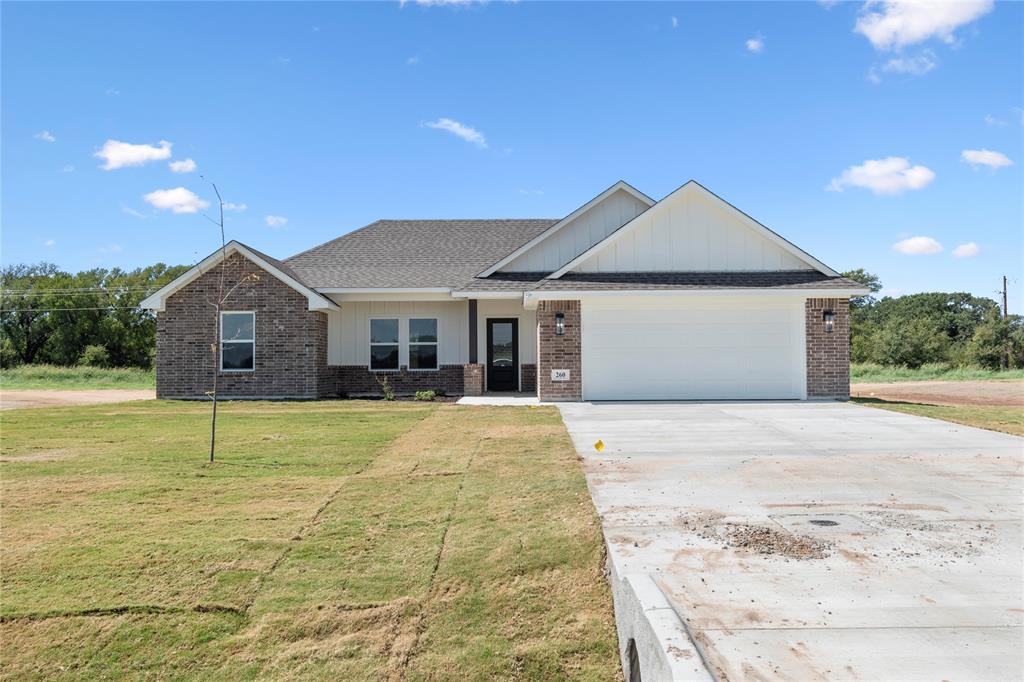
(645, 618)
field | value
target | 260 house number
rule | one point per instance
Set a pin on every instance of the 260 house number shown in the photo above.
(559, 375)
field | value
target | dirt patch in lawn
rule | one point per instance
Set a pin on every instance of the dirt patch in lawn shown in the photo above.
(15, 399)
(1004, 393)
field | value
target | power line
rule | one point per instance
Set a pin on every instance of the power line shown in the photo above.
(57, 310)
(80, 290)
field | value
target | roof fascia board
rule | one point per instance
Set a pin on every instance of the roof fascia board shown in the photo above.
(158, 300)
(556, 295)
(621, 184)
(383, 290)
(488, 294)
(693, 185)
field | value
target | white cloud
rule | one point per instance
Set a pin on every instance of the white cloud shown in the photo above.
(906, 66)
(675, 22)
(984, 157)
(755, 45)
(112, 248)
(67, 168)
(228, 206)
(113, 92)
(917, 246)
(991, 120)
(968, 250)
(185, 166)
(894, 24)
(276, 221)
(45, 136)
(913, 66)
(532, 192)
(412, 61)
(177, 200)
(50, 242)
(892, 175)
(121, 154)
(132, 212)
(464, 132)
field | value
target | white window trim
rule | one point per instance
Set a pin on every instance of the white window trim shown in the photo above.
(220, 340)
(370, 344)
(410, 343)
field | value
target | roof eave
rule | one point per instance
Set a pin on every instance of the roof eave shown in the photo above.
(543, 236)
(157, 301)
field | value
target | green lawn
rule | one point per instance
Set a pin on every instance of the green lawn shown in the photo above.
(66, 378)
(342, 540)
(872, 373)
(991, 417)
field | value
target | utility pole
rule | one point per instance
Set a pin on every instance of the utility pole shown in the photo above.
(1004, 296)
(1006, 353)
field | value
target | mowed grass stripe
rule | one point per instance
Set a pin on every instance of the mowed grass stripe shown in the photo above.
(343, 573)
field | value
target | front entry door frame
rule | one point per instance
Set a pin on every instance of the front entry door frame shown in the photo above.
(500, 378)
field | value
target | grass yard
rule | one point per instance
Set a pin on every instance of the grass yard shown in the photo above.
(344, 540)
(74, 378)
(1007, 419)
(871, 373)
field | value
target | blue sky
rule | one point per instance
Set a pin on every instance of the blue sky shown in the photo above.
(881, 136)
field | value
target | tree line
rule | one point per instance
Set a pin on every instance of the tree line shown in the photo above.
(957, 329)
(50, 316)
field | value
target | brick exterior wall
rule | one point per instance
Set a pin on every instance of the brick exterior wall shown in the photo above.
(558, 352)
(828, 354)
(358, 380)
(528, 378)
(291, 340)
(473, 379)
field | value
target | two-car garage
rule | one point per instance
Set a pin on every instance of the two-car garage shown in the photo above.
(693, 347)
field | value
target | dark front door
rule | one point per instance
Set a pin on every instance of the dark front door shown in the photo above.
(502, 354)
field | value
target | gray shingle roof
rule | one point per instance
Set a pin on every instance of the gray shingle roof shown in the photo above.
(413, 253)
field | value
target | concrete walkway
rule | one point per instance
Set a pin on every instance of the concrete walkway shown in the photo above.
(808, 541)
(499, 399)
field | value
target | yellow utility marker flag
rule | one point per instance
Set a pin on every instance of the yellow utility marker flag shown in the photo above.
(599, 445)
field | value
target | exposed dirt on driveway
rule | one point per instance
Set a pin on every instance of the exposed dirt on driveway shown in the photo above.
(13, 399)
(1006, 393)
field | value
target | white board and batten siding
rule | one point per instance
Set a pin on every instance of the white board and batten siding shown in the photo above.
(693, 348)
(348, 332)
(579, 235)
(690, 232)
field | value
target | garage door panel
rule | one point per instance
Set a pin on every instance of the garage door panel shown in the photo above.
(693, 350)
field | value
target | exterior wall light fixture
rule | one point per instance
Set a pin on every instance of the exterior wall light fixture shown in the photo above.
(559, 324)
(829, 318)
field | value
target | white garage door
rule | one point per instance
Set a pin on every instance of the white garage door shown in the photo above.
(693, 348)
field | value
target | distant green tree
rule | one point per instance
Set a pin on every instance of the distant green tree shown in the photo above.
(954, 314)
(48, 315)
(870, 280)
(94, 356)
(910, 343)
(994, 337)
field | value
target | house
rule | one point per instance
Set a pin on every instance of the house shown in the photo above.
(625, 298)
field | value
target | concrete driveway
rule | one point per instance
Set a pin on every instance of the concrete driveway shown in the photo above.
(808, 541)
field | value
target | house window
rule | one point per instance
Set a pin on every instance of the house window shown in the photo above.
(384, 344)
(238, 342)
(423, 343)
